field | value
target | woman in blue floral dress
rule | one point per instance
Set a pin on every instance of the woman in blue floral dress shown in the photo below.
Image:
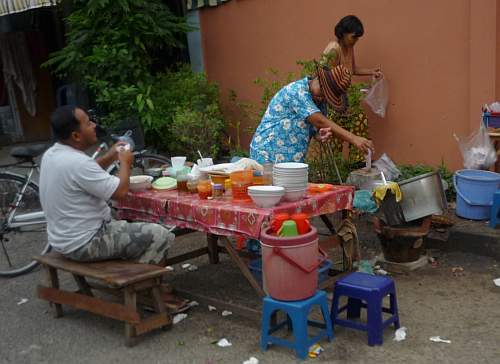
(294, 116)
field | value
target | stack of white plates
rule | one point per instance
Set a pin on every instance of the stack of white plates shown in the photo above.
(293, 177)
(266, 196)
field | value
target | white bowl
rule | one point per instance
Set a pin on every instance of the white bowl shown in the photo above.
(291, 165)
(294, 195)
(266, 196)
(266, 190)
(266, 201)
(140, 183)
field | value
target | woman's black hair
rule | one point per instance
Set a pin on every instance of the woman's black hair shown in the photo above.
(63, 122)
(349, 24)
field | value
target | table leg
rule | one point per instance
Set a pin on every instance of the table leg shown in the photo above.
(329, 225)
(213, 248)
(241, 265)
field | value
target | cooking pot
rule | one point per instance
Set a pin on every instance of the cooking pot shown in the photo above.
(422, 196)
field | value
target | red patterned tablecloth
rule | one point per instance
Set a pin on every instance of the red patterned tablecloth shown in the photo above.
(223, 216)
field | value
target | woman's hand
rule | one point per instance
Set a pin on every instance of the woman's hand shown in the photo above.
(324, 134)
(363, 144)
(377, 73)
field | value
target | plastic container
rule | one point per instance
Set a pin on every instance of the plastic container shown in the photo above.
(219, 179)
(204, 189)
(217, 191)
(491, 119)
(182, 179)
(255, 267)
(240, 181)
(290, 264)
(475, 191)
(127, 138)
(178, 162)
(192, 185)
(258, 179)
(227, 188)
(267, 174)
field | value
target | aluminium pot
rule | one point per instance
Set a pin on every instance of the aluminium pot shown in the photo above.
(422, 196)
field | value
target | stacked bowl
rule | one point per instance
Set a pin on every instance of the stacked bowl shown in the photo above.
(293, 177)
(266, 196)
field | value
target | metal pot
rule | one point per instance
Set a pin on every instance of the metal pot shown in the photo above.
(422, 196)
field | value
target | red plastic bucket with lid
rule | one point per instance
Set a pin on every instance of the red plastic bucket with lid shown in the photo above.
(289, 265)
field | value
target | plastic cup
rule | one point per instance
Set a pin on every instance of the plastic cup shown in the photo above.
(289, 228)
(278, 221)
(204, 188)
(302, 222)
(178, 162)
(240, 181)
(205, 162)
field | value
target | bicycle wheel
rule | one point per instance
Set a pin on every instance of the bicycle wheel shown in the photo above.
(19, 245)
(142, 163)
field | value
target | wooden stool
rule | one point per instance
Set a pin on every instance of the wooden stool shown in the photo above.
(121, 277)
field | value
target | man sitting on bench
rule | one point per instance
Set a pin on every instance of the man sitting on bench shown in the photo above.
(75, 189)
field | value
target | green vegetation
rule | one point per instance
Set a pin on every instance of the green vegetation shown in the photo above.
(187, 116)
(111, 48)
(409, 171)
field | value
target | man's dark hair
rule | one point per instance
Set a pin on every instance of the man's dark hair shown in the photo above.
(349, 24)
(64, 122)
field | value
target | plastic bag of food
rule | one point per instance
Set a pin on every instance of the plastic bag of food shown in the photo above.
(378, 97)
(477, 149)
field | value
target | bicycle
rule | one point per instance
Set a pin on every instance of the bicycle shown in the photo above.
(22, 221)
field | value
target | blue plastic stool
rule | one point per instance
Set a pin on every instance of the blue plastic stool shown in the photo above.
(297, 312)
(360, 288)
(495, 210)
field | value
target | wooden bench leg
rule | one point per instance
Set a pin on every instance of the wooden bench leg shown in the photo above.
(160, 306)
(83, 285)
(130, 300)
(53, 279)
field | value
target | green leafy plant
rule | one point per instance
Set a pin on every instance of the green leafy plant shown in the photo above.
(409, 171)
(110, 47)
(187, 115)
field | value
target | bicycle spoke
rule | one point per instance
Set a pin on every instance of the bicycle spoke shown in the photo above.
(6, 254)
(28, 239)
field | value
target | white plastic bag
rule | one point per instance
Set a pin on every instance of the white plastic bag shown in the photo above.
(477, 149)
(386, 165)
(378, 97)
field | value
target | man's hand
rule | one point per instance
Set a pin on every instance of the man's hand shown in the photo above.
(324, 134)
(116, 148)
(125, 157)
(363, 144)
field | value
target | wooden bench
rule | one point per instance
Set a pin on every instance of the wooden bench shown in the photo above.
(121, 277)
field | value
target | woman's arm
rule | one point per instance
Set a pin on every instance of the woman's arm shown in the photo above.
(358, 71)
(319, 121)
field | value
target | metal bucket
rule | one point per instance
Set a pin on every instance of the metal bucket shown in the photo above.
(422, 196)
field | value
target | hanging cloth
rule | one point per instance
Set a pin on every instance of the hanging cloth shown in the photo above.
(17, 68)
